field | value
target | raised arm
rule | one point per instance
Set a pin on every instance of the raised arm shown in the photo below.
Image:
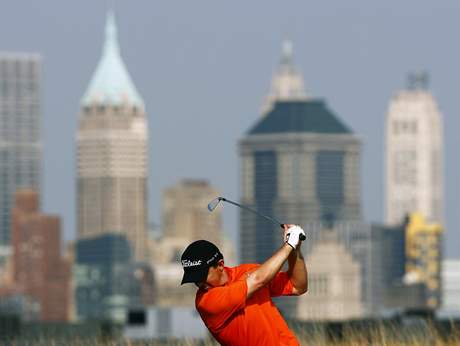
(267, 271)
(297, 270)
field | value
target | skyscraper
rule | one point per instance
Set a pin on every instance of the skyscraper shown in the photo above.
(20, 141)
(112, 152)
(299, 163)
(414, 149)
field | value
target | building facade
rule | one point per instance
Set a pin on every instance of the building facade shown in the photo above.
(377, 250)
(39, 271)
(334, 283)
(112, 152)
(301, 164)
(165, 324)
(107, 280)
(386, 266)
(414, 154)
(20, 122)
(185, 218)
(424, 256)
(451, 288)
(185, 215)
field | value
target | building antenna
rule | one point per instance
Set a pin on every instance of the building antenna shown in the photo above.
(418, 80)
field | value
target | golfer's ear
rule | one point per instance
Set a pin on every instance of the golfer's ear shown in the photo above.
(221, 263)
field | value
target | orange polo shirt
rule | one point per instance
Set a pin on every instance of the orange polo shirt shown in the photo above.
(234, 320)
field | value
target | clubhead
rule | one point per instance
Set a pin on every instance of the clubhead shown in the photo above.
(214, 203)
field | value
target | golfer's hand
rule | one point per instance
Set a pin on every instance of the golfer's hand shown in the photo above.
(292, 235)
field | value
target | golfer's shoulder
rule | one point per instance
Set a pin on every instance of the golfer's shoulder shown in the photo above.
(206, 297)
(241, 270)
(217, 299)
(203, 296)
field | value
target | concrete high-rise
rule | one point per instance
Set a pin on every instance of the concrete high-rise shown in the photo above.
(185, 215)
(112, 152)
(334, 283)
(414, 154)
(301, 164)
(20, 140)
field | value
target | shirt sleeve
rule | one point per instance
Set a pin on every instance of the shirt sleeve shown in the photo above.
(281, 285)
(220, 303)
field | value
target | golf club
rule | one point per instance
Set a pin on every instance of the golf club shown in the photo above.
(215, 202)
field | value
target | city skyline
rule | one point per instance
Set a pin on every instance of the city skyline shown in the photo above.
(220, 97)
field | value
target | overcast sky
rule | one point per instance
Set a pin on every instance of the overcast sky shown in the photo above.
(204, 68)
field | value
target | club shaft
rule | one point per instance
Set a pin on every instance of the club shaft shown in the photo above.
(254, 211)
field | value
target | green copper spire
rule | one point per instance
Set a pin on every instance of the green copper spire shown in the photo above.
(111, 83)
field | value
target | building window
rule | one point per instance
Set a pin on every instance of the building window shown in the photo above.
(266, 186)
(330, 184)
(405, 167)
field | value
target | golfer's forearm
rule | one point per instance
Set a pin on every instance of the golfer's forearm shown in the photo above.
(298, 271)
(267, 271)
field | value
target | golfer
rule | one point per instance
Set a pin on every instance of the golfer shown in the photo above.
(235, 303)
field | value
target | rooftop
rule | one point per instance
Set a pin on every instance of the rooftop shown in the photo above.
(299, 116)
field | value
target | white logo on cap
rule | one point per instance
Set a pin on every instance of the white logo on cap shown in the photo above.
(212, 258)
(188, 263)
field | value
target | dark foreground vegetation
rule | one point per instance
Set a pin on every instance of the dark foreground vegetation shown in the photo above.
(398, 331)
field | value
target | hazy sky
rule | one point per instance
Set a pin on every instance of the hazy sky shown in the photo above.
(204, 68)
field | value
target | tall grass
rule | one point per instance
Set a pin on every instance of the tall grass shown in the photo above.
(380, 335)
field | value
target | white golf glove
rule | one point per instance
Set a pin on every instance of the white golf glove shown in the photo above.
(293, 236)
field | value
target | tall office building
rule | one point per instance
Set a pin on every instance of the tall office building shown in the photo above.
(20, 142)
(301, 164)
(414, 150)
(185, 214)
(112, 152)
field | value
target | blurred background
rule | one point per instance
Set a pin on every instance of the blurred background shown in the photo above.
(120, 121)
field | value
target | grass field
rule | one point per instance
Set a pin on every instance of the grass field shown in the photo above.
(410, 332)
(378, 336)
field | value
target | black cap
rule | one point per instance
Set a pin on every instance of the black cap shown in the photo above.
(196, 260)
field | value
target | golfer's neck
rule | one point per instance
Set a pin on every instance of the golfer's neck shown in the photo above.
(224, 278)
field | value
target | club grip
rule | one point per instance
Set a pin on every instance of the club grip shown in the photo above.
(302, 237)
